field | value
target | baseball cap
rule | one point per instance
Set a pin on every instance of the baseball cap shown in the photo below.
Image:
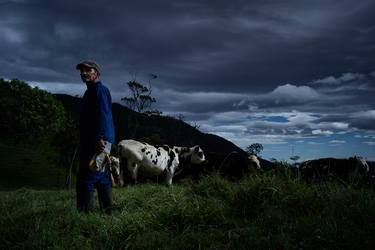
(89, 64)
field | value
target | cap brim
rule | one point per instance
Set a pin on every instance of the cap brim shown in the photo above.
(81, 65)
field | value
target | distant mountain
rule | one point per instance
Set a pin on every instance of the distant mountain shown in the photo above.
(154, 129)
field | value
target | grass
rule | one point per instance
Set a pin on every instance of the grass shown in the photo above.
(265, 211)
(27, 165)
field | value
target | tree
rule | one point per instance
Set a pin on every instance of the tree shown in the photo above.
(254, 149)
(29, 113)
(196, 126)
(140, 98)
(180, 117)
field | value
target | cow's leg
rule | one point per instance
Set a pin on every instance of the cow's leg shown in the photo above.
(124, 170)
(133, 168)
(168, 178)
(135, 172)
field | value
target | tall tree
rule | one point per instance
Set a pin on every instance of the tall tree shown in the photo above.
(254, 149)
(140, 100)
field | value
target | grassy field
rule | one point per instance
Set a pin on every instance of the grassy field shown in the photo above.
(27, 165)
(270, 210)
(264, 211)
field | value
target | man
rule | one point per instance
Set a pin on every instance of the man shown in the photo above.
(96, 134)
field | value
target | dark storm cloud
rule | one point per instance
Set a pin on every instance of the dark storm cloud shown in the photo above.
(252, 71)
(214, 45)
(364, 120)
(288, 111)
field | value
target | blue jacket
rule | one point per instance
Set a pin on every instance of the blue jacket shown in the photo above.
(96, 120)
(95, 123)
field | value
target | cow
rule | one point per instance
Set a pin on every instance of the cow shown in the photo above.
(233, 165)
(192, 161)
(342, 169)
(236, 165)
(254, 162)
(190, 155)
(148, 159)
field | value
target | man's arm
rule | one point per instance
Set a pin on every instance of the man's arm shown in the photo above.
(105, 130)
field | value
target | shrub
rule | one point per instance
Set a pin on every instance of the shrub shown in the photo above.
(28, 113)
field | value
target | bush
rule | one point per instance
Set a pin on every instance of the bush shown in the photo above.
(28, 113)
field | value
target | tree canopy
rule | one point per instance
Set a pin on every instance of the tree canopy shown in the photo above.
(254, 149)
(28, 113)
(140, 99)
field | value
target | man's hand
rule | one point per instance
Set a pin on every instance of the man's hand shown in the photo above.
(100, 146)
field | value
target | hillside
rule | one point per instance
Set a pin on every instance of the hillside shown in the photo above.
(158, 129)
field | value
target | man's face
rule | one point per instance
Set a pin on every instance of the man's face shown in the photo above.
(89, 75)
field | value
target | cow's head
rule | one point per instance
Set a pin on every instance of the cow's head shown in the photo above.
(115, 173)
(197, 156)
(253, 162)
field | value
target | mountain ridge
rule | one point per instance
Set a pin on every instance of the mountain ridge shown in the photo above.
(154, 128)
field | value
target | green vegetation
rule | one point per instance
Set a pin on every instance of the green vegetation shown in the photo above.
(36, 136)
(30, 165)
(28, 114)
(266, 211)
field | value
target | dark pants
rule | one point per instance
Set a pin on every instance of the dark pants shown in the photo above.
(85, 196)
(88, 181)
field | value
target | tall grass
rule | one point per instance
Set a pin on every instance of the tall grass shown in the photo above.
(29, 165)
(264, 211)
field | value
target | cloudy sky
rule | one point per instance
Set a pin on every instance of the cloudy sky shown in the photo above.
(296, 76)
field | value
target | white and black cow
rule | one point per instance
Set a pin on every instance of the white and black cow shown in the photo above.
(148, 159)
(319, 169)
(190, 155)
(186, 156)
(191, 161)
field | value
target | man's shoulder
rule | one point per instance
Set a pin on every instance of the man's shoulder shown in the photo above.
(102, 86)
(103, 91)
